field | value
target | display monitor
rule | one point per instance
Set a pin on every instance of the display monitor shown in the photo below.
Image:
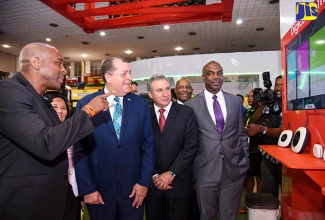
(305, 62)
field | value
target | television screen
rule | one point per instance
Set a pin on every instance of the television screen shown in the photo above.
(306, 67)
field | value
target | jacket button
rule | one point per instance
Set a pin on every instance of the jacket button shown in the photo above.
(119, 146)
(220, 153)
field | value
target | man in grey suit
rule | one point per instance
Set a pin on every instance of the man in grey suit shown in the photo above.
(222, 160)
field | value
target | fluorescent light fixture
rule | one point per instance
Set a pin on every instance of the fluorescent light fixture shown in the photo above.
(84, 55)
(179, 48)
(102, 33)
(166, 27)
(48, 39)
(239, 21)
(5, 45)
(128, 51)
(320, 42)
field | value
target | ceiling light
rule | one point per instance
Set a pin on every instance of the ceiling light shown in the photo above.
(192, 33)
(5, 45)
(48, 39)
(259, 29)
(84, 55)
(166, 27)
(320, 42)
(251, 45)
(239, 21)
(102, 33)
(154, 51)
(128, 51)
(85, 42)
(179, 48)
(140, 37)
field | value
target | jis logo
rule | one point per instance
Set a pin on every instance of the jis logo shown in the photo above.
(306, 11)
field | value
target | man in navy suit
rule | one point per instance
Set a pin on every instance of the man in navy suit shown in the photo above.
(114, 165)
(175, 140)
(222, 160)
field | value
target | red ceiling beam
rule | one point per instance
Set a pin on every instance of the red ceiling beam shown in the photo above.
(139, 13)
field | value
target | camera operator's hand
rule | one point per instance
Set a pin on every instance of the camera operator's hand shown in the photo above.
(253, 129)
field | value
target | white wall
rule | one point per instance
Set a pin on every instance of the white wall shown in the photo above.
(8, 63)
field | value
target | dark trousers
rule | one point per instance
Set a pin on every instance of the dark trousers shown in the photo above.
(194, 213)
(163, 208)
(118, 208)
(271, 177)
(73, 206)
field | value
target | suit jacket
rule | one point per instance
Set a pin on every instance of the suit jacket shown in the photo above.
(102, 161)
(33, 152)
(232, 144)
(175, 148)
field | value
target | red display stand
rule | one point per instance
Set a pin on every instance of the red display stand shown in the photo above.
(303, 175)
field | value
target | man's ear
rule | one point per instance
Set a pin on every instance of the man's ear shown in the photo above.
(150, 94)
(35, 62)
(108, 77)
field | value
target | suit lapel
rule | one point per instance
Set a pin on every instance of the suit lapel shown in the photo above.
(171, 115)
(107, 116)
(154, 121)
(127, 106)
(228, 107)
(205, 110)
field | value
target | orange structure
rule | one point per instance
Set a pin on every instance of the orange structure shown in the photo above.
(303, 62)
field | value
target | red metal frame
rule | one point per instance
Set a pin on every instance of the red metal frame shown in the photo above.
(139, 13)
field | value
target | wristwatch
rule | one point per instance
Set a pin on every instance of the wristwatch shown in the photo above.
(265, 130)
(172, 174)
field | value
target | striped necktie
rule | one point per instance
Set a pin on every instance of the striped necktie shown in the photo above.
(218, 114)
(117, 116)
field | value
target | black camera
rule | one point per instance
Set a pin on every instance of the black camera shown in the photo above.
(266, 97)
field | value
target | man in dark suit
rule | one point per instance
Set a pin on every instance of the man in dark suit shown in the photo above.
(175, 141)
(222, 160)
(114, 165)
(33, 142)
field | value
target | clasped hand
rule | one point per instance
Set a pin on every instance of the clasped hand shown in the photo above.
(163, 181)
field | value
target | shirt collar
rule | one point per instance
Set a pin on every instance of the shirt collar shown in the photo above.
(209, 95)
(167, 108)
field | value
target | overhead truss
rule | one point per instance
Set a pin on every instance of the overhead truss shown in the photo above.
(95, 15)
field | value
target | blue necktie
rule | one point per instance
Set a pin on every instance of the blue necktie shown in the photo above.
(218, 114)
(117, 116)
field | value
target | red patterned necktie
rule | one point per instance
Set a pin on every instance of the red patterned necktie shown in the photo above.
(162, 119)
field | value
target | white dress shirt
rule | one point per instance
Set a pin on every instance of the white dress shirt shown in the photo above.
(167, 109)
(112, 102)
(222, 103)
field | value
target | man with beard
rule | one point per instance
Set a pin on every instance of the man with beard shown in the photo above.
(222, 159)
(183, 90)
(267, 131)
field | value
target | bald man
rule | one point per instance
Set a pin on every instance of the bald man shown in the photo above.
(183, 90)
(33, 159)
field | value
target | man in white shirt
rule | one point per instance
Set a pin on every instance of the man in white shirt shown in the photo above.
(222, 160)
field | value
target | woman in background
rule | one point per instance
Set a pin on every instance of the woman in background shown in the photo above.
(60, 105)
